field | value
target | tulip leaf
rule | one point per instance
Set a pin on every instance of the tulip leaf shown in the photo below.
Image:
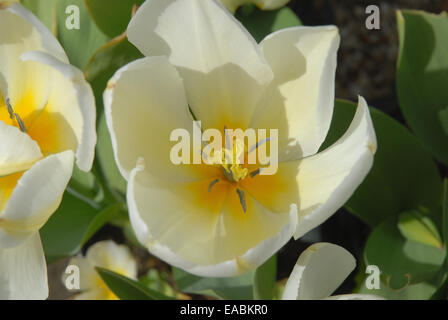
(264, 280)
(106, 61)
(261, 23)
(105, 154)
(445, 214)
(401, 261)
(72, 225)
(403, 177)
(128, 289)
(112, 16)
(234, 288)
(422, 76)
(443, 117)
(415, 226)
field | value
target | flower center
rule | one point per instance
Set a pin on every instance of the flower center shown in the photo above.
(230, 161)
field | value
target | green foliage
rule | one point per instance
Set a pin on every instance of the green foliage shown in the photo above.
(264, 279)
(128, 289)
(422, 76)
(72, 225)
(261, 23)
(403, 176)
(401, 260)
(118, 11)
(417, 227)
(235, 288)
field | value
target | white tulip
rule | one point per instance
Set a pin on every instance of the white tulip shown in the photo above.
(108, 255)
(47, 118)
(200, 57)
(319, 271)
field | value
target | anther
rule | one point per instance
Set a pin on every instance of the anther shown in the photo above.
(242, 199)
(212, 184)
(10, 109)
(255, 173)
(20, 122)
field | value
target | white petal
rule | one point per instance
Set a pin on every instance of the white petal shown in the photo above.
(24, 271)
(48, 41)
(223, 68)
(18, 151)
(300, 99)
(36, 196)
(355, 297)
(144, 102)
(109, 255)
(318, 272)
(328, 179)
(188, 235)
(73, 100)
(24, 32)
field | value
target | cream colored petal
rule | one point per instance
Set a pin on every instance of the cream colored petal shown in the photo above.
(174, 220)
(327, 180)
(24, 81)
(300, 100)
(23, 273)
(144, 102)
(93, 294)
(88, 277)
(355, 297)
(318, 272)
(223, 68)
(109, 255)
(71, 104)
(36, 196)
(18, 151)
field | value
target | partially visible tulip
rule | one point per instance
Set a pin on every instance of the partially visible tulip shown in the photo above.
(108, 255)
(47, 120)
(319, 271)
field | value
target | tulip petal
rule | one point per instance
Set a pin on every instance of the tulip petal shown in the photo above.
(18, 151)
(70, 109)
(222, 66)
(36, 196)
(318, 272)
(299, 102)
(175, 220)
(24, 271)
(25, 84)
(328, 179)
(144, 102)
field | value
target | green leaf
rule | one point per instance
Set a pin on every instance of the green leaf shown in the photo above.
(45, 10)
(111, 16)
(235, 288)
(403, 177)
(400, 260)
(84, 183)
(126, 288)
(157, 281)
(261, 23)
(445, 214)
(415, 226)
(264, 279)
(106, 61)
(72, 225)
(105, 154)
(422, 76)
(443, 117)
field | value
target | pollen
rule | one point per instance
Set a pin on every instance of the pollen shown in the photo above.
(229, 159)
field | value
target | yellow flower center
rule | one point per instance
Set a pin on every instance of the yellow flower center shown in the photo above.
(230, 161)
